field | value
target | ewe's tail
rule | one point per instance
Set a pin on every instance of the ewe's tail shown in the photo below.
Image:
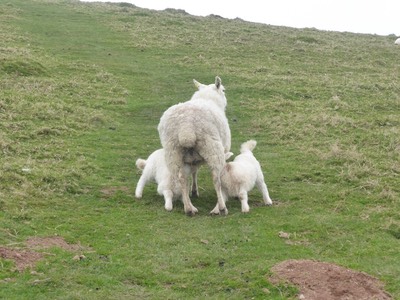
(187, 137)
(248, 146)
(140, 164)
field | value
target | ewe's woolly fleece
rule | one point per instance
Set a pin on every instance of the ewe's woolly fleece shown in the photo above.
(202, 117)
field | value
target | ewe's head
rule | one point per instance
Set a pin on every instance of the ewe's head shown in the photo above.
(214, 92)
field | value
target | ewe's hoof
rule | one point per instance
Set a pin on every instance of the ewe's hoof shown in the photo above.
(195, 194)
(190, 213)
(223, 212)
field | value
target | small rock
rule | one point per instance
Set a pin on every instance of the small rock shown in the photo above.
(284, 235)
(79, 257)
(266, 291)
(36, 273)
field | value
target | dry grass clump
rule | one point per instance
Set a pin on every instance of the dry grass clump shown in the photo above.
(359, 153)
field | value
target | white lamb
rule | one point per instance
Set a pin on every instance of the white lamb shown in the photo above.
(195, 132)
(155, 169)
(241, 175)
(397, 42)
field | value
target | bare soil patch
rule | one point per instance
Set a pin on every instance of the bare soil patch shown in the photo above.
(22, 258)
(110, 191)
(49, 242)
(27, 257)
(326, 281)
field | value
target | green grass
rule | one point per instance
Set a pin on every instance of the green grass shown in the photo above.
(82, 89)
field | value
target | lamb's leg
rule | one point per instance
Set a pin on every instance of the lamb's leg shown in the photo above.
(195, 190)
(140, 186)
(244, 201)
(164, 188)
(168, 195)
(264, 190)
(190, 210)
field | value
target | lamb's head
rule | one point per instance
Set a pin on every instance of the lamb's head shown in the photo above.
(214, 92)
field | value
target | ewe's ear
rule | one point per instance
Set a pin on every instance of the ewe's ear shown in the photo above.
(197, 84)
(218, 82)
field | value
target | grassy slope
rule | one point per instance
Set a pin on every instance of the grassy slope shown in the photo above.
(82, 89)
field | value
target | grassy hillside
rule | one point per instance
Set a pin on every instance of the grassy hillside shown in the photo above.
(82, 88)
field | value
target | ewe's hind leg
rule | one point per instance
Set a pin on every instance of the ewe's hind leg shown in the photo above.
(213, 154)
(195, 189)
(184, 173)
(176, 167)
(264, 190)
(216, 174)
(215, 211)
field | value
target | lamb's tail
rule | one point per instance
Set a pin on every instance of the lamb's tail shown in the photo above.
(248, 146)
(140, 164)
(187, 137)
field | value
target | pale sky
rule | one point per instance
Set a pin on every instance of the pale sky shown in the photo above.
(360, 16)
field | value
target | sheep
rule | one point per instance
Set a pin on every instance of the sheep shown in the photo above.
(397, 42)
(196, 132)
(241, 175)
(155, 169)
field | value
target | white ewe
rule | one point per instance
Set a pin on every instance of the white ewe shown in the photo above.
(241, 175)
(195, 132)
(155, 169)
(397, 42)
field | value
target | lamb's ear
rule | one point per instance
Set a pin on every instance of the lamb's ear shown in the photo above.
(218, 82)
(197, 84)
(228, 155)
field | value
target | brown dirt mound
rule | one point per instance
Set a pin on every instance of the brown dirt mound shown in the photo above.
(326, 281)
(49, 242)
(23, 258)
(26, 258)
